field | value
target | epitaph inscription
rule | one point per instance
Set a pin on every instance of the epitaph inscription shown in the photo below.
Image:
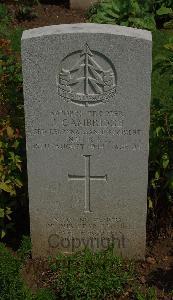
(87, 99)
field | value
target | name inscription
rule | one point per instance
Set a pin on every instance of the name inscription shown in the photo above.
(87, 130)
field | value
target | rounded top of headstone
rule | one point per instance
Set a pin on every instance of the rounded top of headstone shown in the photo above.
(87, 28)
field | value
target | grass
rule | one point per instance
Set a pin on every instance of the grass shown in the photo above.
(88, 275)
(83, 275)
(12, 286)
(24, 252)
(150, 294)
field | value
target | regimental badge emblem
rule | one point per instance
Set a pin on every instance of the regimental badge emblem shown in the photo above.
(87, 77)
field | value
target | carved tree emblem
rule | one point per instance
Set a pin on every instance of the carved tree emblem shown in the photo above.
(86, 77)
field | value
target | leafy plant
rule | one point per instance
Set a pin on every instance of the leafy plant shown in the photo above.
(123, 12)
(10, 173)
(161, 87)
(163, 10)
(12, 118)
(164, 64)
(87, 275)
(133, 13)
(160, 194)
(10, 80)
(25, 9)
(4, 16)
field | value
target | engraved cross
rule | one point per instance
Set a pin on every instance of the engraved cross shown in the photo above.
(87, 178)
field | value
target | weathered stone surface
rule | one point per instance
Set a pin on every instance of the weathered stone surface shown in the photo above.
(87, 100)
(82, 4)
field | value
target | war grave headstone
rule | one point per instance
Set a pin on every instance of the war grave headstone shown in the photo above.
(87, 108)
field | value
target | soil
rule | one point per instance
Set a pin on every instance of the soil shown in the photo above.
(46, 14)
(157, 270)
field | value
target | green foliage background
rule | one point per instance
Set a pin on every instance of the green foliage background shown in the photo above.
(13, 191)
(160, 193)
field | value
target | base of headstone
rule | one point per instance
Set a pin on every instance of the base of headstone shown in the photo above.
(81, 4)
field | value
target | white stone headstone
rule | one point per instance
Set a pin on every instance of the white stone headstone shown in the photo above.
(87, 107)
